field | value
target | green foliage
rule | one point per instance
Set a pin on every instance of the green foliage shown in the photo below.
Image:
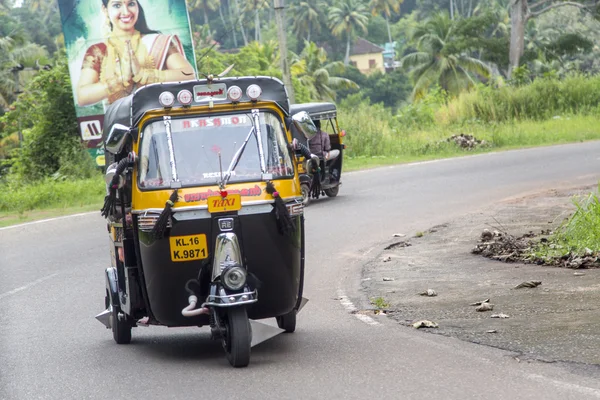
(369, 127)
(46, 114)
(543, 99)
(578, 234)
(422, 114)
(52, 193)
(377, 30)
(380, 303)
(441, 59)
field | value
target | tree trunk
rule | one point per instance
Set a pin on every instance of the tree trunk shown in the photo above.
(239, 18)
(232, 21)
(205, 15)
(347, 58)
(518, 19)
(387, 21)
(451, 10)
(309, 29)
(222, 17)
(257, 27)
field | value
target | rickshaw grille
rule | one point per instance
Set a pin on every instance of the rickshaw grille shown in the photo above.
(147, 221)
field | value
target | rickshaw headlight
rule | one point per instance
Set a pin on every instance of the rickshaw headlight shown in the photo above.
(166, 99)
(253, 92)
(234, 277)
(234, 93)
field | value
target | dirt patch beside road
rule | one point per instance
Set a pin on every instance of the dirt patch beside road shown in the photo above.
(555, 321)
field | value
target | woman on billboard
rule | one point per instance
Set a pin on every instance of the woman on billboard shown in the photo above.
(132, 56)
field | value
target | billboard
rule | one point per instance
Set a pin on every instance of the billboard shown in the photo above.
(117, 46)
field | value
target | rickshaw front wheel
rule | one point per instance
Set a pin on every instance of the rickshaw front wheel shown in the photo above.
(305, 194)
(238, 337)
(287, 322)
(121, 329)
(332, 192)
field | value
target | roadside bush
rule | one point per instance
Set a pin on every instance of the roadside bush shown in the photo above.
(368, 127)
(46, 115)
(545, 98)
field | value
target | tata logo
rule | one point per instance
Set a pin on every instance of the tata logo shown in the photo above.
(226, 224)
(90, 130)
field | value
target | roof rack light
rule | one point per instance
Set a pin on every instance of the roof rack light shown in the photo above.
(166, 99)
(234, 93)
(253, 92)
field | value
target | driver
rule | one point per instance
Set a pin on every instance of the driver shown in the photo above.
(321, 145)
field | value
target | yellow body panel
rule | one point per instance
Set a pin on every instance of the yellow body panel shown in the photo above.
(197, 196)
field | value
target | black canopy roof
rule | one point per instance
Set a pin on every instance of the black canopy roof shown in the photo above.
(130, 110)
(315, 110)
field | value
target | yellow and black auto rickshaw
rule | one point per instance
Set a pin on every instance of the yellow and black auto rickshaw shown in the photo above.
(204, 209)
(323, 177)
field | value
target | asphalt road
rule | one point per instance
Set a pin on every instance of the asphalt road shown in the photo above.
(52, 285)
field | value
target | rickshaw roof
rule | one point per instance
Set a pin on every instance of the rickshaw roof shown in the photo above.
(129, 110)
(316, 111)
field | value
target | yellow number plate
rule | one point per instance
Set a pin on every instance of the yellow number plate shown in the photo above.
(188, 248)
(217, 204)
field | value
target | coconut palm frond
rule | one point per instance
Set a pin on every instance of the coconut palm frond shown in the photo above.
(474, 65)
(415, 59)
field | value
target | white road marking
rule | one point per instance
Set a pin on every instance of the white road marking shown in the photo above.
(565, 385)
(31, 284)
(47, 220)
(351, 308)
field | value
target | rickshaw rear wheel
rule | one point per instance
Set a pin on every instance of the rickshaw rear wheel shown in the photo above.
(305, 194)
(238, 337)
(332, 192)
(121, 330)
(287, 322)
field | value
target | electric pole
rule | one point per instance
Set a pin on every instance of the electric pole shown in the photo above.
(283, 60)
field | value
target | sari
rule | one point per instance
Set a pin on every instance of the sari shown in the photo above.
(151, 51)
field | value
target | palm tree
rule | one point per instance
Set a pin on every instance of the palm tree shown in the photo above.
(239, 17)
(345, 18)
(437, 62)
(13, 54)
(268, 54)
(314, 72)
(385, 7)
(205, 5)
(256, 6)
(306, 17)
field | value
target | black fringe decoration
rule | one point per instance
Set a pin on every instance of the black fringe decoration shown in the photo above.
(284, 220)
(315, 186)
(158, 231)
(111, 198)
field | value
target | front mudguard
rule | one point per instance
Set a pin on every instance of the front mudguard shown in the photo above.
(112, 285)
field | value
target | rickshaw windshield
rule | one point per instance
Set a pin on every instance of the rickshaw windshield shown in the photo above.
(198, 142)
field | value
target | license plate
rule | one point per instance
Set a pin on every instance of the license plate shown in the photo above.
(217, 204)
(188, 248)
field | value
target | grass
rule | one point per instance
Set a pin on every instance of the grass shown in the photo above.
(53, 198)
(380, 303)
(430, 144)
(49, 198)
(578, 234)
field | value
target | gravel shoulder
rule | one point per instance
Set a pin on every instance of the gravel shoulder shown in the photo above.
(555, 321)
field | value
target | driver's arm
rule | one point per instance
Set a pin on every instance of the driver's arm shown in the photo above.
(326, 142)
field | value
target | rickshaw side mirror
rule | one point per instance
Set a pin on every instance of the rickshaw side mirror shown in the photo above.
(304, 124)
(116, 138)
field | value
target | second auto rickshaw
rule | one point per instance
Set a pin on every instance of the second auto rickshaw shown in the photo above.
(323, 177)
(204, 209)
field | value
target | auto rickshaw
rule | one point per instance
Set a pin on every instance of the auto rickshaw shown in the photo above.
(204, 209)
(323, 178)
